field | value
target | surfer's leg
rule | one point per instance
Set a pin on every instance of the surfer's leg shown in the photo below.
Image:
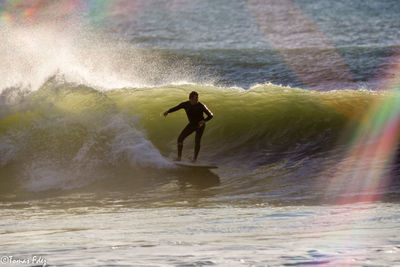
(199, 133)
(185, 132)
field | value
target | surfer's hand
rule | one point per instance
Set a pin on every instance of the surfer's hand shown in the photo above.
(165, 113)
(202, 122)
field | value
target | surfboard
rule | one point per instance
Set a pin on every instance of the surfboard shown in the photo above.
(195, 165)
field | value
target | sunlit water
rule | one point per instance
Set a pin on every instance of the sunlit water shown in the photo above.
(105, 232)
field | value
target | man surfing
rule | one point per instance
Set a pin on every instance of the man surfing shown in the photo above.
(194, 111)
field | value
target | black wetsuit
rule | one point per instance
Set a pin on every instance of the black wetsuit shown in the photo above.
(195, 115)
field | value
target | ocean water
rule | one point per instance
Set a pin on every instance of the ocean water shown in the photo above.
(305, 134)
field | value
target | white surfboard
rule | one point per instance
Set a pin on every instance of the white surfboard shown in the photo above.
(194, 165)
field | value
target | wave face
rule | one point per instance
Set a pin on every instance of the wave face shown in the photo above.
(66, 137)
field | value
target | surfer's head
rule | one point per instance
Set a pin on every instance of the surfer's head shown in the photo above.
(193, 97)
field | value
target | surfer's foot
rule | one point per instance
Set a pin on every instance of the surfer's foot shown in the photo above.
(193, 160)
(177, 159)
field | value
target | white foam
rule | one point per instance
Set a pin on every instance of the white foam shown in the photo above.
(44, 175)
(132, 144)
(111, 141)
(7, 150)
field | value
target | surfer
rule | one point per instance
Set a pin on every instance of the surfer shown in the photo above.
(194, 111)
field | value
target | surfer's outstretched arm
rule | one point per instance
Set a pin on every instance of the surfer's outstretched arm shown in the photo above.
(178, 107)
